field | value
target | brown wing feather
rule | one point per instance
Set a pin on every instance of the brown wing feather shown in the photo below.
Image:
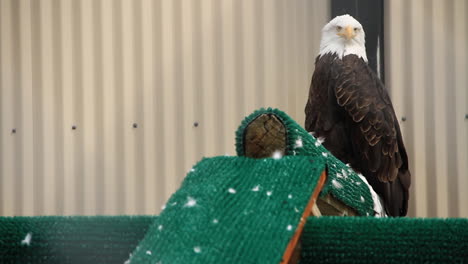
(361, 95)
(348, 106)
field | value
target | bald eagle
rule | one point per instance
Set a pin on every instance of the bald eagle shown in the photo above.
(349, 107)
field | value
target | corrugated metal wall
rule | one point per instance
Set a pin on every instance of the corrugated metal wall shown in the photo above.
(106, 104)
(427, 62)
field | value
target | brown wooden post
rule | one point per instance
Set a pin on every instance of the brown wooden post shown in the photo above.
(263, 136)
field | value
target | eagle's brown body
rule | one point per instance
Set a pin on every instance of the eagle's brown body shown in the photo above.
(350, 108)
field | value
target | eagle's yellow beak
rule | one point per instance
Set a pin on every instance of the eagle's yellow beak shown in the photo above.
(348, 33)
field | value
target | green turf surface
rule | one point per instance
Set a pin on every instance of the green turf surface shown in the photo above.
(77, 239)
(385, 240)
(232, 210)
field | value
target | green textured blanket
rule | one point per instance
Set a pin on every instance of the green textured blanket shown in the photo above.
(232, 210)
(385, 240)
(77, 239)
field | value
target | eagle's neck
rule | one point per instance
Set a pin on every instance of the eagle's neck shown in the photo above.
(342, 48)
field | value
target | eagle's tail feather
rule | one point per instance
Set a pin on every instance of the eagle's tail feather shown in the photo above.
(396, 194)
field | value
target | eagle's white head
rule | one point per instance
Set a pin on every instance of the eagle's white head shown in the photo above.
(343, 35)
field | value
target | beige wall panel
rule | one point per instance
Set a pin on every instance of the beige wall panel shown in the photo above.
(48, 109)
(7, 112)
(439, 38)
(110, 189)
(230, 111)
(269, 50)
(394, 23)
(426, 69)
(418, 85)
(129, 92)
(208, 104)
(26, 190)
(249, 57)
(69, 186)
(461, 116)
(168, 97)
(90, 112)
(291, 67)
(150, 192)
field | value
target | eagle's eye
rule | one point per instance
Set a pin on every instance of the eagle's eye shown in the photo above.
(338, 28)
(356, 29)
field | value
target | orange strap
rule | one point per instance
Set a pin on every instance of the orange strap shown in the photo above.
(293, 243)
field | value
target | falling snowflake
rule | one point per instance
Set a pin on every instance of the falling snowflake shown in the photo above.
(319, 141)
(246, 212)
(190, 202)
(27, 240)
(299, 143)
(362, 199)
(345, 174)
(163, 207)
(129, 257)
(197, 249)
(277, 155)
(337, 184)
(148, 252)
(324, 154)
(231, 190)
(215, 221)
(256, 188)
(269, 193)
(192, 170)
(289, 227)
(296, 210)
(160, 227)
(290, 196)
